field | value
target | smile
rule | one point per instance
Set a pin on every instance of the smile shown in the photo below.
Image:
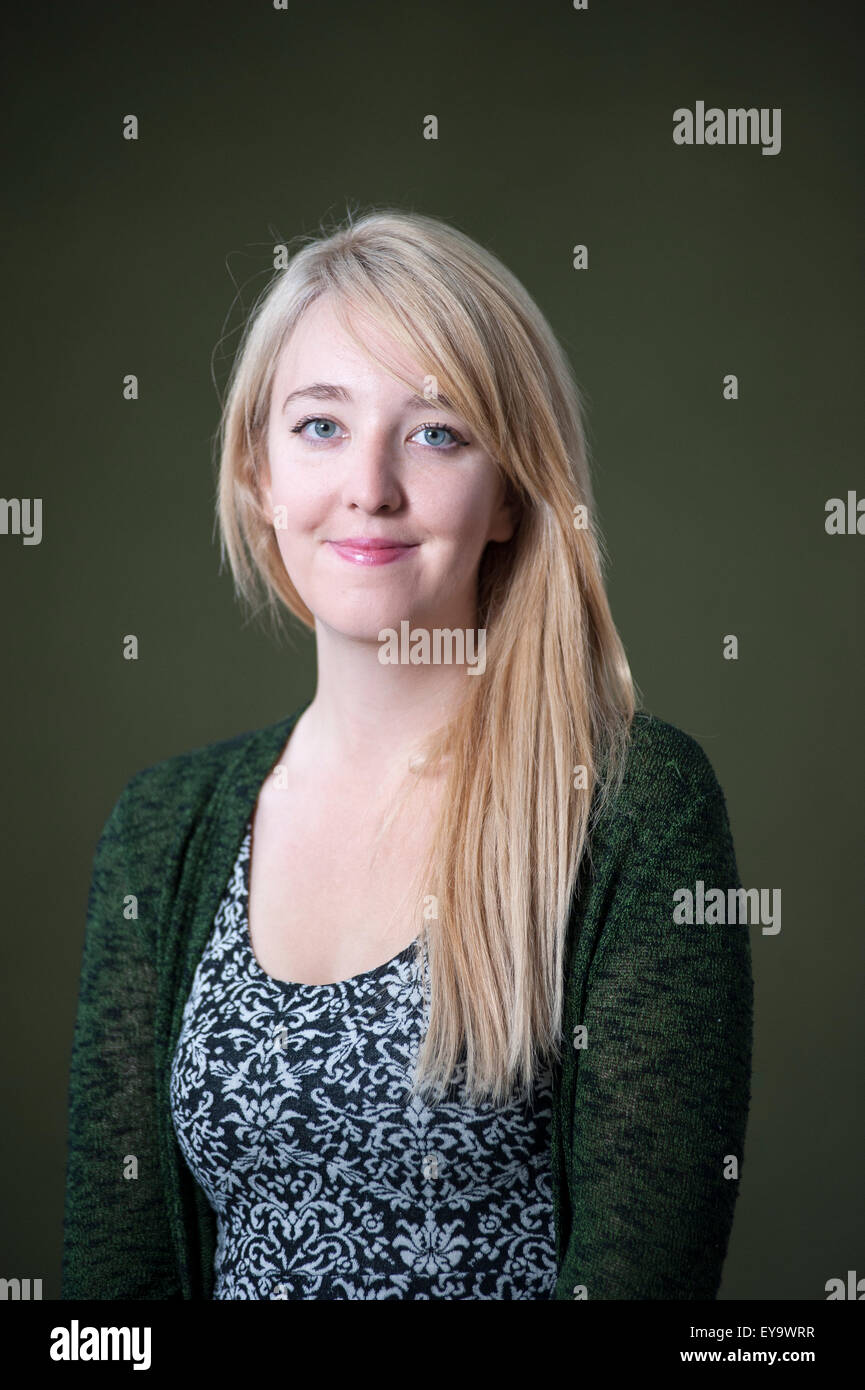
(378, 552)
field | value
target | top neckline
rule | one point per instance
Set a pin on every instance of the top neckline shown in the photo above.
(352, 981)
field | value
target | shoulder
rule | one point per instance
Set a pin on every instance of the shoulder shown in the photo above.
(175, 791)
(194, 768)
(662, 758)
(668, 780)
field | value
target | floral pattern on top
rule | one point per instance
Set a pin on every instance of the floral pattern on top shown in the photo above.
(291, 1107)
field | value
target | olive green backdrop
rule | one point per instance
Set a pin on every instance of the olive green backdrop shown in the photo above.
(555, 128)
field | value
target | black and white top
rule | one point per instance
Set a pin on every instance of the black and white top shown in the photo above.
(290, 1104)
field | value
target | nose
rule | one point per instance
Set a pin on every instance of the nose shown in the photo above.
(372, 478)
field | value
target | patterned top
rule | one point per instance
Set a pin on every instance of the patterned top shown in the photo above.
(643, 1119)
(290, 1105)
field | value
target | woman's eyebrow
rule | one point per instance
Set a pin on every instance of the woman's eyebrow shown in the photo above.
(329, 391)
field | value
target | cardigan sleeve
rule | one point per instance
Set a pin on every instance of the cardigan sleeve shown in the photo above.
(116, 1237)
(663, 1085)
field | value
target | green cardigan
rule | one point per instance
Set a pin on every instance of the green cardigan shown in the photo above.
(645, 1116)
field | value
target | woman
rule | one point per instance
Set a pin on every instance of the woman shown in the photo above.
(387, 1000)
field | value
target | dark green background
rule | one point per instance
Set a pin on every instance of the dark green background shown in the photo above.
(555, 128)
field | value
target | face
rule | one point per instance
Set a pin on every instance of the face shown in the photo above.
(362, 462)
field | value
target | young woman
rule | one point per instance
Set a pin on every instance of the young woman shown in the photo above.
(387, 1000)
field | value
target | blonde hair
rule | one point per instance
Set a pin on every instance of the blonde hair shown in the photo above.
(557, 693)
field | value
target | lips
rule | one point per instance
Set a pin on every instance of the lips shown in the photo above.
(369, 550)
(373, 542)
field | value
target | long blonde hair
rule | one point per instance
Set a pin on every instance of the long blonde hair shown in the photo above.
(557, 694)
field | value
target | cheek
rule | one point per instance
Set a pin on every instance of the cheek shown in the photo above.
(299, 494)
(459, 513)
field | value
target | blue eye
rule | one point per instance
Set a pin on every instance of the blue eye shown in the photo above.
(314, 420)
(439, 430)
(435, 427)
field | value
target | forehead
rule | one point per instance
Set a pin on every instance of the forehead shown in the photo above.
(320, 349)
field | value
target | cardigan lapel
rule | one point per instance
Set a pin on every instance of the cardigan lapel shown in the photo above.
(192, 895)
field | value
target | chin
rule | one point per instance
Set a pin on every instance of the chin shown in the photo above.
(362, 621)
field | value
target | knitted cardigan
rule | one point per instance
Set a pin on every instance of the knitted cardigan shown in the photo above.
(647, 1111)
